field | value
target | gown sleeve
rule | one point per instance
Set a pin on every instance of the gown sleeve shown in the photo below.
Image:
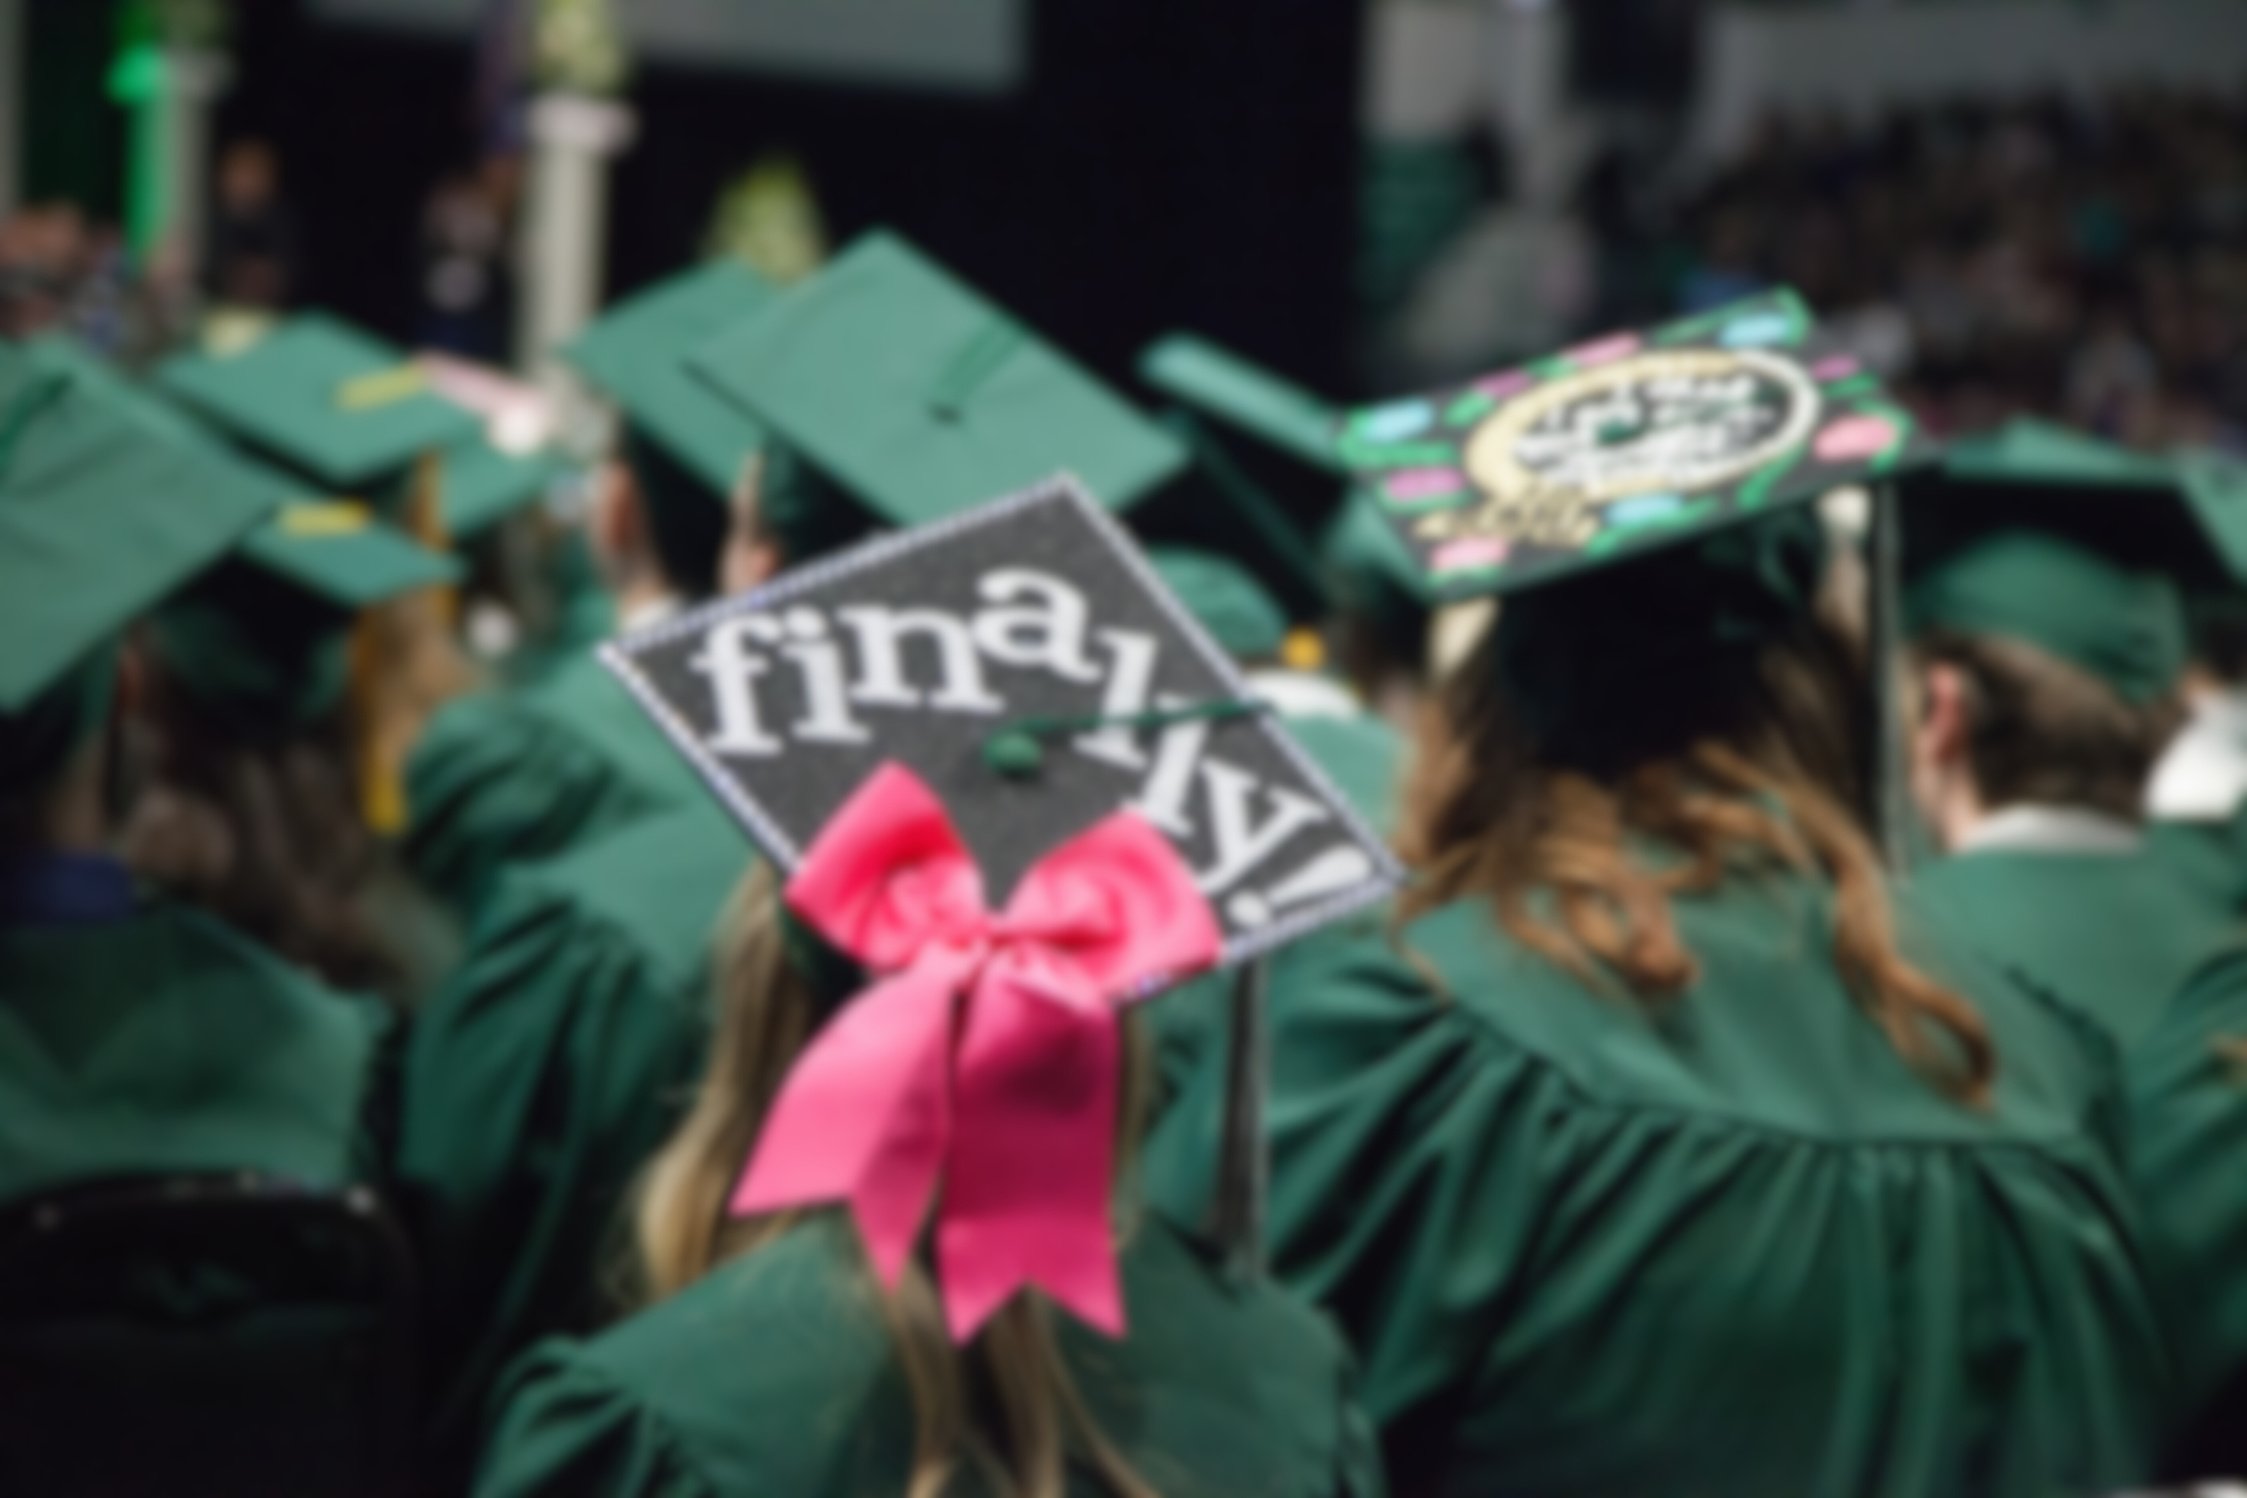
(1406, 1165)
(2188, 1086)
(537, 1084)
(565, 1430)
(493, 783)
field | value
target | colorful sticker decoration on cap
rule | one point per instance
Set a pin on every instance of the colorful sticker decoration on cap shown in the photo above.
(1023, 662)
(1631, 438)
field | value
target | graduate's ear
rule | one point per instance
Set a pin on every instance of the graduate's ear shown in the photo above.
(753, 555)
(1942, 774)
(617, 522)
(1945, 716)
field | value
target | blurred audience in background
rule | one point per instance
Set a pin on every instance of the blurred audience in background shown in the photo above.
(2080, 259)
(251, 261)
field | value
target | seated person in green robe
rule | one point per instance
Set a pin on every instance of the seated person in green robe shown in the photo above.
(770, 1361)
(1660, 1146)
(513, 776)
(896, 1178)
(2196, 803)
(1663, 1151)
(2188, 1096)
(2049, 639)
(252, 807)
(137, 1034)
(549, 1066)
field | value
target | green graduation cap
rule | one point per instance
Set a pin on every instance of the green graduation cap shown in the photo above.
(1203, 376)
(916, 397)
(2080, 547)
(1224, 599)
(1281, 485)
(1374, 577)
(483, 484)
(262, 641)
(93, 533)
(636, 356)
(323, 399)
(1624, 444)
(329, 549)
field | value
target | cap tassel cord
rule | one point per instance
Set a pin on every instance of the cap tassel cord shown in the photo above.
(1014, 751)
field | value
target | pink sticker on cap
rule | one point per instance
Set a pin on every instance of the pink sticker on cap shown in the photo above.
(1852, 438)
(1604, 350)
(1499, 387)
(1464, 556)
(1419, 485)
(1834, 367)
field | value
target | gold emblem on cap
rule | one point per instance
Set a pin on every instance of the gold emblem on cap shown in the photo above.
(382, 387)
(324, 517)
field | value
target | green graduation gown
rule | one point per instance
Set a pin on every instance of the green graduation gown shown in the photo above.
(2211, 857)
(1362, 755)
(2188, 1088)
(1728, 1244)
(542, 1077)
(165, 1041)
(511, 777)
(1365, 758)
(2113, 930)
(774, 1375)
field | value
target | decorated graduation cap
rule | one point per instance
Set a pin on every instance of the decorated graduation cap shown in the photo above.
(990, 748)
(93, 533)
(484, 484)
(896, 394)
(1631, 442)
(2079, 547)
(346, 412)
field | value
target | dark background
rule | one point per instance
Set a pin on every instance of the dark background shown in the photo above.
(1166, 163)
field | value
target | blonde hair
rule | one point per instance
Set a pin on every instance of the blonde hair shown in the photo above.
(1491, 811)
(766, 1014)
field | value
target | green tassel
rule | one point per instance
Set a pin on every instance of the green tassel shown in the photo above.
(1015, 752)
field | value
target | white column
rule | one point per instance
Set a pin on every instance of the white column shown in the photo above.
(1529, 77)
(561, 255)
(193, 80)
(15, 102)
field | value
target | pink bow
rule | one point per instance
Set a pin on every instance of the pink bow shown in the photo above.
(1012, 1103)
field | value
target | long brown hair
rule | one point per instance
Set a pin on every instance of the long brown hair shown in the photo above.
(263, 831)
(1037, 1421)
(1763, 774)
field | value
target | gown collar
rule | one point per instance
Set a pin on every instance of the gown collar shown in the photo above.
(64, 889)
(2034, 827)
(1303, 694)
(2202, 776)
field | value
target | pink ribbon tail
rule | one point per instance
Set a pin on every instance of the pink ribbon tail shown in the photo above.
(1033, 1159)
(865, 1116)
